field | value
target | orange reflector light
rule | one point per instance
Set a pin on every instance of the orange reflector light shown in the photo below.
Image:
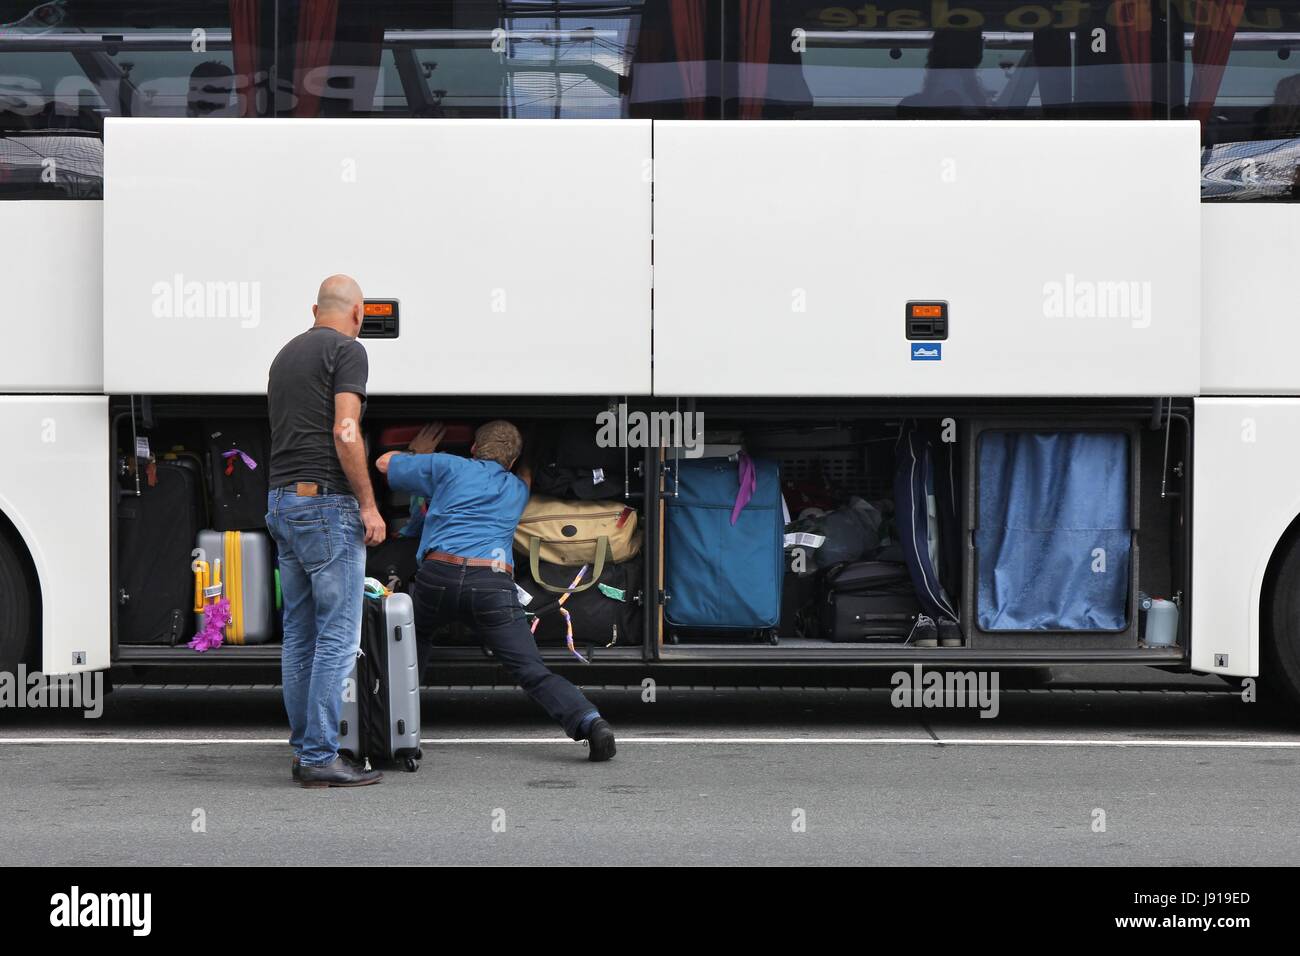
(927, 311)
(379, 308)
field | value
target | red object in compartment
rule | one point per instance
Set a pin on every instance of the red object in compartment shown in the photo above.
(399, 436)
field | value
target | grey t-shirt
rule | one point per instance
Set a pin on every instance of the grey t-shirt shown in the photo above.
(309, 371)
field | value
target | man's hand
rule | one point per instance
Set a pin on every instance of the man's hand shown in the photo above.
(426, 440)
(376, 530)
(381, 463)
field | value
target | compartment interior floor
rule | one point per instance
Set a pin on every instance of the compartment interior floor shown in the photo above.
(800, 642)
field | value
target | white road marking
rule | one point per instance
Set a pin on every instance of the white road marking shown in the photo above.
(735, 741)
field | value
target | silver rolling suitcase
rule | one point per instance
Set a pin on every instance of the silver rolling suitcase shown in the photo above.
(380, 720)
(237, 565)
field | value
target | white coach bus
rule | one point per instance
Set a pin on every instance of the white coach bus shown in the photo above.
(818, 228)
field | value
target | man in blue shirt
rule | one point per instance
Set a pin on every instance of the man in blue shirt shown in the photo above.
(465, 573)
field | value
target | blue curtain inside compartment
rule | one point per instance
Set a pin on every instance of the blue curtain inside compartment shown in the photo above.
(1048, 501)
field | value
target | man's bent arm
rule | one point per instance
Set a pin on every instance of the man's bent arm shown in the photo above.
(351, 448)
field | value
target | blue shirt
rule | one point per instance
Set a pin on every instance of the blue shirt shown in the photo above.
(474, 505)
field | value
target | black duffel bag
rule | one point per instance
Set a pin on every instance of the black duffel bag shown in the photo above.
(612, 612)
(573, 465)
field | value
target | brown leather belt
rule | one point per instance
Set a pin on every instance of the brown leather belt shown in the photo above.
(492, 563)
(313, 489)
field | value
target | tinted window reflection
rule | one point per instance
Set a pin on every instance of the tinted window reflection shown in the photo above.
(909, 59)
(67, 64)
(1239, 66)
(482, 58)
(1234, 65)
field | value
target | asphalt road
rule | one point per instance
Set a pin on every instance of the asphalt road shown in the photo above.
(1180, 771)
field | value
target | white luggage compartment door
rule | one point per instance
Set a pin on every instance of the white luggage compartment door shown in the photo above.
(518, 250)
(56, 489)
(786, 253)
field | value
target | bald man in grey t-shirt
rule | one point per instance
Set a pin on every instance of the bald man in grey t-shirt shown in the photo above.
(321, 511)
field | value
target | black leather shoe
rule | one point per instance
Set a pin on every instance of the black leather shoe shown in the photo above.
(295, 768)
(600, 740)
(338, 773)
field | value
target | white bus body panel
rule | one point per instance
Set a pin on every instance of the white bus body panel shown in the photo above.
(1251, 319)
(1246, 483)
(51, 251)
(55, 487)
(785, 253)
(519, 250)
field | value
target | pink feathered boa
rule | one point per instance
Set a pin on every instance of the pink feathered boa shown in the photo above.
(215, 618)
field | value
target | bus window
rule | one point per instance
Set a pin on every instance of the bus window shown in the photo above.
(1240, 76)
(933, 59)
(65, 66)
(485, 58)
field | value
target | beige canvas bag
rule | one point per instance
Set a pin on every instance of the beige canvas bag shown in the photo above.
(574, 533)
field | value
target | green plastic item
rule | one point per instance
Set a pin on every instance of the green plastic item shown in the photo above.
(279, 602)
(612, 592)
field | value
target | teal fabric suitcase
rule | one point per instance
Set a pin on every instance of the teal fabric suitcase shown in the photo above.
(721, 574)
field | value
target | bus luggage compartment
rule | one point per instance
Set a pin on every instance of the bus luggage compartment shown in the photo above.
(1114, 487)
(607, 624)
(838, 468)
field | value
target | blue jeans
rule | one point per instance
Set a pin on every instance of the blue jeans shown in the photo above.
(322, 555)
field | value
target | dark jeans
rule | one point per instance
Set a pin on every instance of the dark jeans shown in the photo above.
(486, 600)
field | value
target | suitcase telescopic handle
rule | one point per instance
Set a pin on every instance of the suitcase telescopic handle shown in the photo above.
(598, 567)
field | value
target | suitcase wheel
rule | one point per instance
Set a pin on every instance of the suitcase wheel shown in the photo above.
(411, 764)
